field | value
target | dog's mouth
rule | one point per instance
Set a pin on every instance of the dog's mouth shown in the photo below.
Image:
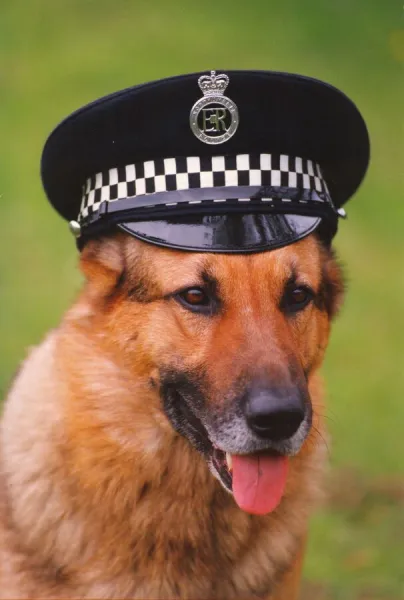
(257, 481)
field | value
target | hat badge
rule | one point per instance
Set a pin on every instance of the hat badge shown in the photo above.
(214, 118)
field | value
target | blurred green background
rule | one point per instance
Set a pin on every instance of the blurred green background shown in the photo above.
(57, 55)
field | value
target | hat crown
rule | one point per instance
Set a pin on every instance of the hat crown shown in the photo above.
(213, 84)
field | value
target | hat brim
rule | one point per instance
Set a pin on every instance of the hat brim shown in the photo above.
(231, 233)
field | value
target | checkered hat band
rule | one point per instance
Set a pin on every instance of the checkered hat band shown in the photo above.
(195, 172)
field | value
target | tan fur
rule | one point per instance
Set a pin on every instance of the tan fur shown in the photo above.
(99, 496)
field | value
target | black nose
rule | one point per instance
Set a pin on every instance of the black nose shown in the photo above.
(274, 415)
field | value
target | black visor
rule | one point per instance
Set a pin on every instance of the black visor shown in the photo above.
(234, 233)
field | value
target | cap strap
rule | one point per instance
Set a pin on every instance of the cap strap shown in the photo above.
(112, 214)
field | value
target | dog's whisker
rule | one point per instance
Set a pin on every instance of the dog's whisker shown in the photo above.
(326, 417)
(320, 435)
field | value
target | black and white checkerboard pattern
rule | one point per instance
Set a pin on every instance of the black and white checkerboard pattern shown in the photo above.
(183, 173)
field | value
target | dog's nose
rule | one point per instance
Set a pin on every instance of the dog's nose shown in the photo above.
(274, 416)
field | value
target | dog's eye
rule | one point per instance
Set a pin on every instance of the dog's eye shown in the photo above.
(195, 299)
(296, 298)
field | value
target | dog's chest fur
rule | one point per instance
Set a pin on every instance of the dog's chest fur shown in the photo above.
(83, 520)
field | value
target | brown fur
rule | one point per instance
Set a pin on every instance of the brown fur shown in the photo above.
(99, 496)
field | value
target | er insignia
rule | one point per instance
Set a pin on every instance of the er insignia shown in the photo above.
(214, 118)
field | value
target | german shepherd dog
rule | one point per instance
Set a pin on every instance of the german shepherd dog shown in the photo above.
(167, 439)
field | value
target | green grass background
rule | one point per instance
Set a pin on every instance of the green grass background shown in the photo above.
(56, 55)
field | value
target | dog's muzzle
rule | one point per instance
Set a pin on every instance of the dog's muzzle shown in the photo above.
(264, 425)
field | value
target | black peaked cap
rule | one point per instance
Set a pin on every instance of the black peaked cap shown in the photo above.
(278, 114)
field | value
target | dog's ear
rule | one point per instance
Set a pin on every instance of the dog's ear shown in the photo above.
(331, 293)
(102, 262)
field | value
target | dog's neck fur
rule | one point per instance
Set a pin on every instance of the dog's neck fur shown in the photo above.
(126, 498)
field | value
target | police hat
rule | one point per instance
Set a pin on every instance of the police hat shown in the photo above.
(234, 161)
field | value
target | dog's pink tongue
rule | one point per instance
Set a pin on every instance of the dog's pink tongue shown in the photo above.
(259, 482)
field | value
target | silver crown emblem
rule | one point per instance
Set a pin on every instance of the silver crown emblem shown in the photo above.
(215, 84)
(214, 117)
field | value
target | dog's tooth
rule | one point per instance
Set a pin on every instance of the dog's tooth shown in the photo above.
(229, 461)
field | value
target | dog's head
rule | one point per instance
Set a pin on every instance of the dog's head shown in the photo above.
(229, 342)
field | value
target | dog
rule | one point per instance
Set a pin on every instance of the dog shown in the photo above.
(175, 378)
